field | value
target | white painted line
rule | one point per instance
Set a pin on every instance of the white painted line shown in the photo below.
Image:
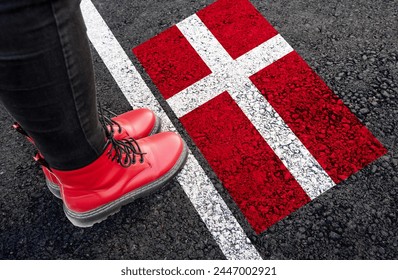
(299, 161)
(204, 42)
(211, 207)
(196, 95)
(233, 76)
(263, 55)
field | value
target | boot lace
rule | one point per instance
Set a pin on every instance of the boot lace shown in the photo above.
(108, 121)
(122, 151)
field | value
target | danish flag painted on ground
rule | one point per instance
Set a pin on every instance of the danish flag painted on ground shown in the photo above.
(273, 132)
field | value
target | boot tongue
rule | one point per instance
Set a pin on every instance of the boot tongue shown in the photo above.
(120, 134)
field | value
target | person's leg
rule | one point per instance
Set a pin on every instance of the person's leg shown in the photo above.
(47, 81)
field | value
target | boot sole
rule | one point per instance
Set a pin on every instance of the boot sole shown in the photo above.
(54, 188)
(156, 127)
(89, 218)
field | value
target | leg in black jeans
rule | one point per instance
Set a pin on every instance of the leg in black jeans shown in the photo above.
(47, 81)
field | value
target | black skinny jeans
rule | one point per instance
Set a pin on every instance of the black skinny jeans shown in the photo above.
(47, 81)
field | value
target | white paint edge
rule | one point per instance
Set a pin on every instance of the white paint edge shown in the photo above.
(218, 218)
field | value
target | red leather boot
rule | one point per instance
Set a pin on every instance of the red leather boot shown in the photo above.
(127, 170)
(136, 124)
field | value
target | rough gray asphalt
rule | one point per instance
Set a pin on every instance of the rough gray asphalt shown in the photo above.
(351, 45)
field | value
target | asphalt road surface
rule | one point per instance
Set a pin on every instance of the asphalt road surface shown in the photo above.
(352, 45)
